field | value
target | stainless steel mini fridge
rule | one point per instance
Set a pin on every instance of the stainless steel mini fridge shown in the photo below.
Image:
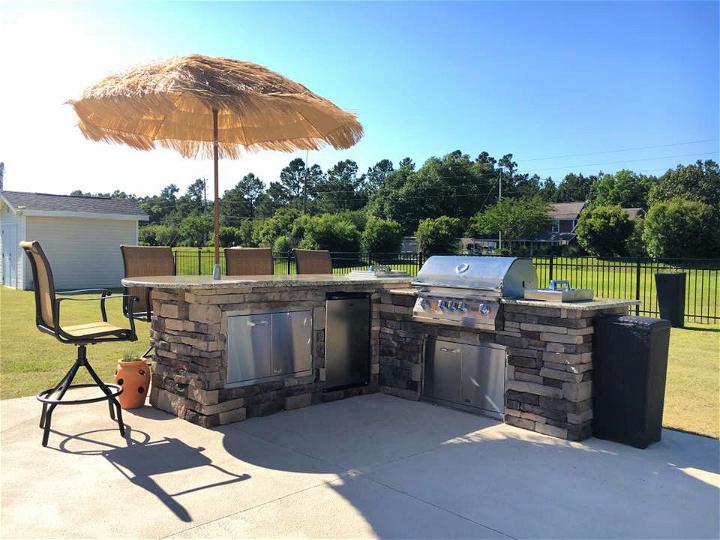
(347, 340)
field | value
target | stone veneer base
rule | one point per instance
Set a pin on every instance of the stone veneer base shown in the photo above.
(549, 355)
(190, 364)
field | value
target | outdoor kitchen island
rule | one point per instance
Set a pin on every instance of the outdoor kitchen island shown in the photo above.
(542, 351)
(251, 346)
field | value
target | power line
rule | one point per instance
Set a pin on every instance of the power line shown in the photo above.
(627, 161)
(622, 150)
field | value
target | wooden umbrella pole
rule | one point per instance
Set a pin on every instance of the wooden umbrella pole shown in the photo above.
(216, 221)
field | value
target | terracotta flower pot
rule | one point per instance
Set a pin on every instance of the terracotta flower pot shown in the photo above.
(134, 377)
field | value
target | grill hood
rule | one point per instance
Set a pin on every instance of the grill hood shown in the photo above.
(508, 276)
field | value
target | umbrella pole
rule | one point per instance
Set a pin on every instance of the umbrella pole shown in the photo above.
(216, 219)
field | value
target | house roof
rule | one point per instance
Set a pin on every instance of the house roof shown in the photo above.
(46, 204)
(567, 210)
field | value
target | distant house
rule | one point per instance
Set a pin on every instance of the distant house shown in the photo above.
(80, 235)
(565, 216)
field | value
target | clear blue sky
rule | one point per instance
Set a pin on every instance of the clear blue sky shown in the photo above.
(535, 79)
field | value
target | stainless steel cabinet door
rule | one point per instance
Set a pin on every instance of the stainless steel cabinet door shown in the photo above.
(291, 342)
(483, 378)
(446, 371)
(248, 348)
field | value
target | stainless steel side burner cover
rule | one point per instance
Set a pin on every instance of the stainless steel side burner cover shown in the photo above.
(506, 276)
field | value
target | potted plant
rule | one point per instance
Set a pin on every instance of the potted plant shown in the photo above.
(133, 374)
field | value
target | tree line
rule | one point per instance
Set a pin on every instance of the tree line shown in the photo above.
(454, 195)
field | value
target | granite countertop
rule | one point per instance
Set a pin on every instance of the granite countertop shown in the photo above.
(587, 305)
(227, 282)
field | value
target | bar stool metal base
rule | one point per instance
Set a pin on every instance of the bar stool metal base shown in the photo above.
(52, 397)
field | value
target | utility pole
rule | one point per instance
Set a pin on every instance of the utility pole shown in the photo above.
(305, 183)
(499, 199)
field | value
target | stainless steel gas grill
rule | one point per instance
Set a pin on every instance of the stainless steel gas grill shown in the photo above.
(466, 290)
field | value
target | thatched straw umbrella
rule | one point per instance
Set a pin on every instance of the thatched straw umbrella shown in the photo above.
(203, 106)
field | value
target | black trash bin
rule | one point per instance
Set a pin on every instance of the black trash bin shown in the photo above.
(630, 366)
(671, 297)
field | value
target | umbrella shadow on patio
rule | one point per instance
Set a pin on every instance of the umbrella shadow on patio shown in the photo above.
(141, 460)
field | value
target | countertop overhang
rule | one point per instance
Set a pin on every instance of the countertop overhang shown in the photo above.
(234, 282)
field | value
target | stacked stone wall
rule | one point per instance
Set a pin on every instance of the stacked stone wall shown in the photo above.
(189, 334)
(549, 360)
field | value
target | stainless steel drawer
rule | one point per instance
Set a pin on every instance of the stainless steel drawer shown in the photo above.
(249, 348)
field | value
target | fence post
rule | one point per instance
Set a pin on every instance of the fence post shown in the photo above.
(550, 270)
(199, 261)
(175, 256)
(637, 286)
(289, 254)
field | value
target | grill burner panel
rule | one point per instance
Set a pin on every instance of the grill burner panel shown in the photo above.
(457, 311)
(466, 291)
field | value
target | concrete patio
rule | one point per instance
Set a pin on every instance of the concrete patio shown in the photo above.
(373, 466)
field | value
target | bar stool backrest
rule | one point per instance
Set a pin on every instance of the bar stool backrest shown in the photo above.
(313, 261)
(146, 261)
(248, 261)
(44, 285)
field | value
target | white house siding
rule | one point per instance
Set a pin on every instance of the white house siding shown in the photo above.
(8, 217)
(83, 253)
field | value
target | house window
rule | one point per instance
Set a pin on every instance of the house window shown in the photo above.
(556, 226)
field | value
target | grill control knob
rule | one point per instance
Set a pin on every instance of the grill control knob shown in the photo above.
(424, 304)
(452, 306)
(462, 307)
(484, 309)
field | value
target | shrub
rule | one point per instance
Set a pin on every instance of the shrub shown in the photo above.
(634, 244)
(438, 235)
(381, 236)
(570, 250)
(230, 236)
(280, 224)
(158, 235)
(682, 228)
(603, 230)
(148, 235)
(517, 219)
(282, 244)
(195, 230)
(329, 231)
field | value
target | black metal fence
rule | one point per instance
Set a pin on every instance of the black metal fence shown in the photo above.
(628, 278)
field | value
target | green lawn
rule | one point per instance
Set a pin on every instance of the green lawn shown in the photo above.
(31, 361)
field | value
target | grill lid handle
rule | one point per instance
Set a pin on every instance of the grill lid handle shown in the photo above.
(461, 268)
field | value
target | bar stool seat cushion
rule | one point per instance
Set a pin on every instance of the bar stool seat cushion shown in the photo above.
(92, 329)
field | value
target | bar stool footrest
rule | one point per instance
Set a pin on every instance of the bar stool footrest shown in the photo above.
(45, 395)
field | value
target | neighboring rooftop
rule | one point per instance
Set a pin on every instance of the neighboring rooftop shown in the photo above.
(567, 210)
(42, 203)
